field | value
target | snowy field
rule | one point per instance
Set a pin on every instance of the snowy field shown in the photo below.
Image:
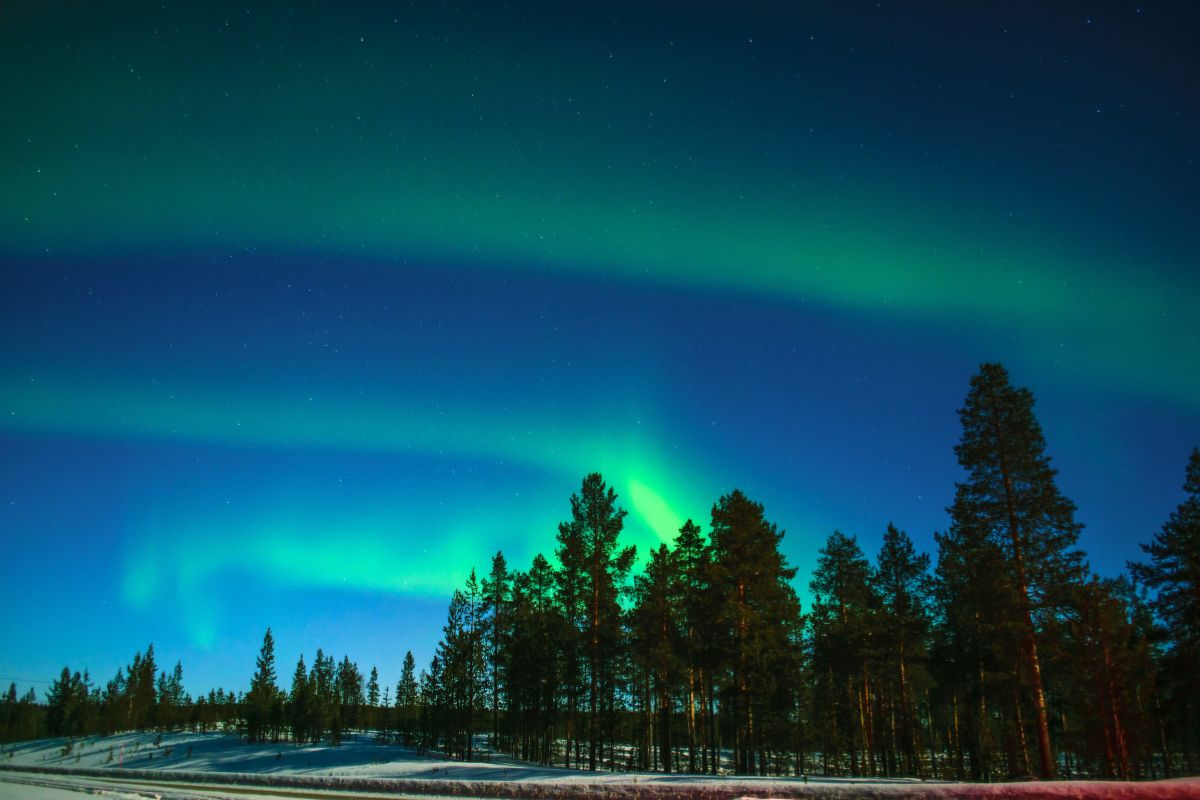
(117, 766)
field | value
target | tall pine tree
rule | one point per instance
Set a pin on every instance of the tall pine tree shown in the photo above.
(759, 614)
(1010, 496)
(588, 548)
(261, 699)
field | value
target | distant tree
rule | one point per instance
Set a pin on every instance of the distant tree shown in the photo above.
(21, 719)
(407, 697)
(141, 710)
(387, 715)
(370, 720)
(171, 698)
(348, 684)
(260, 701)
(113, 712)
(300, 703)
(324, 714)
(431, 722)
(8, 713)
(65, 702)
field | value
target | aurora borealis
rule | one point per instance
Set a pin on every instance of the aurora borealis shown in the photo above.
(305, 311)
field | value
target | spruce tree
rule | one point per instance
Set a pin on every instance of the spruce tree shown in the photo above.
(63, 704)
(260, 701)
(142, 694)
(1010, 497)
(406, 700)
(369, 718)
(300, 703)
(348, 685)
(323, 697)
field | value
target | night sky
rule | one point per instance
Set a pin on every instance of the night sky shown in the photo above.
(306, 311)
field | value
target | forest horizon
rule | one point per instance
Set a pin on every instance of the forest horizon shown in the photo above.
(705, 661)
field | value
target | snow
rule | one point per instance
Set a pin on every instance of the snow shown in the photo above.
(361, 764)
(27, 792)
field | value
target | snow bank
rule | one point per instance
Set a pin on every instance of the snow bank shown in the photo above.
(362, 765)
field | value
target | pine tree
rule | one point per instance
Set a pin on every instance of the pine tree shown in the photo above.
(759, 614)
(1010, 497)
(694, 559)
(588, 548)
(659, 644)
(324, 699)
(461, 658)
(432, 725)
(261, 699)
(1173, 573)
(844, 605)
(534, 663)
(369, 720)
(570, 598)
(902, 582)
(300, 703)
(63, 704)
(348, 685)
(497, 602)
(141, 710)
(406, 701)
(1109, 665)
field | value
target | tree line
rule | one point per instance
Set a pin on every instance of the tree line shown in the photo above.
(1006, 657)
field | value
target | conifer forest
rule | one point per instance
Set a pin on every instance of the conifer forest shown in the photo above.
(999, 656)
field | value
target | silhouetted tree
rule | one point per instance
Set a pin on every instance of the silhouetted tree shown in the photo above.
(1173, 574)
(589, 552)
(758, 615)
(263, 695)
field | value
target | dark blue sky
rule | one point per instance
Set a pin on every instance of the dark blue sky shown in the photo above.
(305, 313)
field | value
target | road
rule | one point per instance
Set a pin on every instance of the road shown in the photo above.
(30, 786)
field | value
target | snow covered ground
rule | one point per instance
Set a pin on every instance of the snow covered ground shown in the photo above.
(362, 765)
(357, 756)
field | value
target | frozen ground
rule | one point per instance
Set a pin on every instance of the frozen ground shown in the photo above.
(186, 765)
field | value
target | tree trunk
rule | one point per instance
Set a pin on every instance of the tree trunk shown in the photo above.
(1031, 648)
(1024, 745)
(691, 718)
